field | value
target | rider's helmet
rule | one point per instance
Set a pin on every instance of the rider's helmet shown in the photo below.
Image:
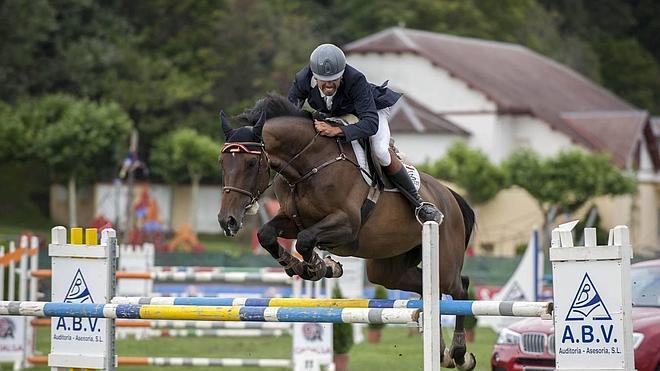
(327, 62)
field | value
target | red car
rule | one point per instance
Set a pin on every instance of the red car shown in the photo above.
(529, 344)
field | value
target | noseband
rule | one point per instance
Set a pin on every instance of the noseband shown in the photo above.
(244, 147)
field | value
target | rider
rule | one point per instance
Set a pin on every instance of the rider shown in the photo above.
(335, 88)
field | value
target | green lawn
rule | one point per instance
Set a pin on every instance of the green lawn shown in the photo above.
(398, 350)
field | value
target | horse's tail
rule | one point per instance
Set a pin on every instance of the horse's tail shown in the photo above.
(468, 215)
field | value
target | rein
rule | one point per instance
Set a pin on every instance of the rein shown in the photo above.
(243, 147)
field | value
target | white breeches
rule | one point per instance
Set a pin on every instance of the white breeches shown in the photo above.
(380, 142)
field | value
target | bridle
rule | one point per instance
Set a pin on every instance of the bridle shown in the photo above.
(243, 147)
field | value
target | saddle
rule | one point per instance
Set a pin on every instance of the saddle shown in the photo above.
(373, 173)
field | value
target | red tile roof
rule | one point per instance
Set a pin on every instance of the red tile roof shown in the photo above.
(603, 130)
(520, 80)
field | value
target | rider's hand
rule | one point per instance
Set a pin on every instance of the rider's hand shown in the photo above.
(326, 129)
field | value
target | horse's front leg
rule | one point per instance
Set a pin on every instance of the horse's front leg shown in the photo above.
(334, 229)
(280, 226)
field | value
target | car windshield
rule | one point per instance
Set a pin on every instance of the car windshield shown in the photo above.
(646, 286)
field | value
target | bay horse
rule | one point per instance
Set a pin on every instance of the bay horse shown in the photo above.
(320, 190)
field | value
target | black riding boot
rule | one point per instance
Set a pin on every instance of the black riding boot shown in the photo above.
(424, 211)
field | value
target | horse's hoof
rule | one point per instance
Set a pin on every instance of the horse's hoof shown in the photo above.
(469, 363)
(290, 272)
(313, 270)
(334, 268)
(458, 354)
(445, 359)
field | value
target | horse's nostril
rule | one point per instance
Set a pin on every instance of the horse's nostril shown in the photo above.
(231, 221)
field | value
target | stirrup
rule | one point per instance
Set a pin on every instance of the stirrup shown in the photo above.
(418, 209)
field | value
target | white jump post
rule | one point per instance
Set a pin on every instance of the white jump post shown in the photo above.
(82, 342)
(593, 305)
(431, 295)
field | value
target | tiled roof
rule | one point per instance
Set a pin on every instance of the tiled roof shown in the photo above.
(520, 80)
(409, 116)
(603, 130)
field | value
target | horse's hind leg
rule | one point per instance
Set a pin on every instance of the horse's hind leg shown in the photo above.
(402, 273)
(458, 349)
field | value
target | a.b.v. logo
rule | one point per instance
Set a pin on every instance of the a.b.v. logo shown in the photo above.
(581, 325)
(587, 303)
(7, 328)
(78, 291)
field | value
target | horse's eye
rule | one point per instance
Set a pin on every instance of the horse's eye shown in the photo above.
(251, 164)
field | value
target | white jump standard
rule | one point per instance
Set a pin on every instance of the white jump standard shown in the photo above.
(592, 314)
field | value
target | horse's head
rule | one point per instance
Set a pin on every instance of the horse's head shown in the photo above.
(245, 173)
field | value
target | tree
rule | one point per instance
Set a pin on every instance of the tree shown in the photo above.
(13, 135)
(78, 139)
(471, 170)
(185, 154)
(567, 181)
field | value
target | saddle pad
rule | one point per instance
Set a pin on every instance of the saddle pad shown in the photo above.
(362, 160)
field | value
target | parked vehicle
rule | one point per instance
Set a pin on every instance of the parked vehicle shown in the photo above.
(529, 344)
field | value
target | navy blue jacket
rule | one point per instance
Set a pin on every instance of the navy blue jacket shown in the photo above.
(355, 96)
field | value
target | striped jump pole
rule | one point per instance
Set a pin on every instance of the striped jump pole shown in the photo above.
(182, 361)
(186, 325)
(229, 277)
(213, 333)
(447, 307)
(209, 313)
(200, 269)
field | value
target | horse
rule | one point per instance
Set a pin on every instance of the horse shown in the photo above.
(320, 190)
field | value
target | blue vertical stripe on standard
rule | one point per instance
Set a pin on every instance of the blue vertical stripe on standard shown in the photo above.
(257, 302)
(456, 307)
(217, 302)
(73, 310)
(332, 315)
(252, 314)
(131, 311)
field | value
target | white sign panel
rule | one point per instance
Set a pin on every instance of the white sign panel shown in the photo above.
(588, 315)
(78, 281)
(312, 345)
(12, 338)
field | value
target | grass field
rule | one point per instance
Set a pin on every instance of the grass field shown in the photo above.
(398, 350)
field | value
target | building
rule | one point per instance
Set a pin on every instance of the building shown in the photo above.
(501, 97)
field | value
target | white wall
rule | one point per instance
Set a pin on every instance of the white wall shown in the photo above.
(105, 201)
(536, 134)
(174, 206)
(419, 148)
(208, 208)
(418, 78)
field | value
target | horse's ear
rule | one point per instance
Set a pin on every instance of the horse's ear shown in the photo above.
(256, 129)
(226, 127)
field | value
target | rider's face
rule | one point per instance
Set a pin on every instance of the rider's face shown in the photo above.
(328, 87)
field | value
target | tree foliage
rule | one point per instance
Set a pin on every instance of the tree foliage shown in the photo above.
(173, 64)
(471, 170)
(75, 137)
(568, 180)
(185, 155)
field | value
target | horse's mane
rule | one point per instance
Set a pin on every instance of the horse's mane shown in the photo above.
(272, 105)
